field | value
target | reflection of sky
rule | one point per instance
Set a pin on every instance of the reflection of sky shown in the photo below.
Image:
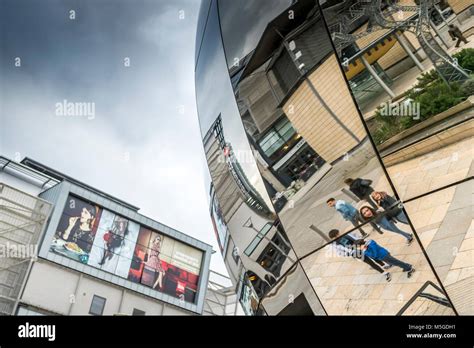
(243, 22)
(215, 96)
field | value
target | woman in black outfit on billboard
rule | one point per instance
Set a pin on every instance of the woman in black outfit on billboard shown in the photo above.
(114, 238)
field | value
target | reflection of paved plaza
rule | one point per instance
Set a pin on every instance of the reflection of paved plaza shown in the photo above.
(312, 209)
(425, 306)
(348, 286)
(444, 219)
(444, 222)
(436, 169)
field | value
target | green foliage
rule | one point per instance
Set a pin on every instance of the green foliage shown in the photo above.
(465, 58)
(433, 95)
(426, 78)
(467, 88)
(436, 98)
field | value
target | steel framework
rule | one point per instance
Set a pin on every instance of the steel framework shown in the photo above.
(22, 219)
(418, 23)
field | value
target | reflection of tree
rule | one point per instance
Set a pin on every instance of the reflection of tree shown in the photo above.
(251, 196)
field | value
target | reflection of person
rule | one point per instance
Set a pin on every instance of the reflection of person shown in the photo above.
(349, 213)
(367, 213)
(114, 238)
(347, 246)
(154, 262)
(361, 188)
(390, 205)
(80, 227)
(456, 33)
(373, 250)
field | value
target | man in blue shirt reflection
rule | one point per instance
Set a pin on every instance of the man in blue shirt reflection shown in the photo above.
(350, 213)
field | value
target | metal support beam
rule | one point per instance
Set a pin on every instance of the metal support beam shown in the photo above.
(320, 233)
(22, 287)
(377, 78)
(433, 26)
(406, 48)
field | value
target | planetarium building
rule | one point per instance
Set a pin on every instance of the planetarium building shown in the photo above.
(318, 209)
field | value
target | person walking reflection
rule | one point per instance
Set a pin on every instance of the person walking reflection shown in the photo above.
(349, 246)
(361, 188)
(379, 218)
(374, 251)
(390, 205)
(349, 213)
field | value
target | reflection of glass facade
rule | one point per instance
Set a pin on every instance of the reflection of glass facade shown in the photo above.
(315, 225)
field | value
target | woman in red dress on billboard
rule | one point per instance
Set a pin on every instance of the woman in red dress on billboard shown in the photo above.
(154, 262)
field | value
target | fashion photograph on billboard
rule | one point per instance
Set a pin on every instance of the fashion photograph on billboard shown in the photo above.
(102, 239)
(77, 230)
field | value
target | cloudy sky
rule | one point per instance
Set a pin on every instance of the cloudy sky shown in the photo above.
(134, 61)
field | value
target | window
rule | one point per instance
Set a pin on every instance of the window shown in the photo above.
(285, 72)
(97, 305)
(138, 312)
(258, 238)
(279, 139)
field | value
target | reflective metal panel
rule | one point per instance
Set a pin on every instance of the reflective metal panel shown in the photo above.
(418, 114)
(246, 19)
(375, 275)
(293, 295)
(429, 300)
(444, 221)
(295, 172)
(260, 243)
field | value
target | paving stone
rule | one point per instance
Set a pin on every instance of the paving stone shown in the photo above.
(456, 222)
(463, 196)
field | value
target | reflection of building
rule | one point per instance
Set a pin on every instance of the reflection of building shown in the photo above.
(265, 247)
(279, 88)
(96, 254)
(375, 57)
(225, 166)
(285, 88)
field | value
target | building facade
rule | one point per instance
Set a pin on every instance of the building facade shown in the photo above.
(294, 174)
(70, 249)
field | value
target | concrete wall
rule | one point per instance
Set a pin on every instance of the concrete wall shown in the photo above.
(51, 288)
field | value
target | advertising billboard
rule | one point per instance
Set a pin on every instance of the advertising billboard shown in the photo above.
(102, 239)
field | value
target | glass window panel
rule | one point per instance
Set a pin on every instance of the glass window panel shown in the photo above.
(97, 305)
